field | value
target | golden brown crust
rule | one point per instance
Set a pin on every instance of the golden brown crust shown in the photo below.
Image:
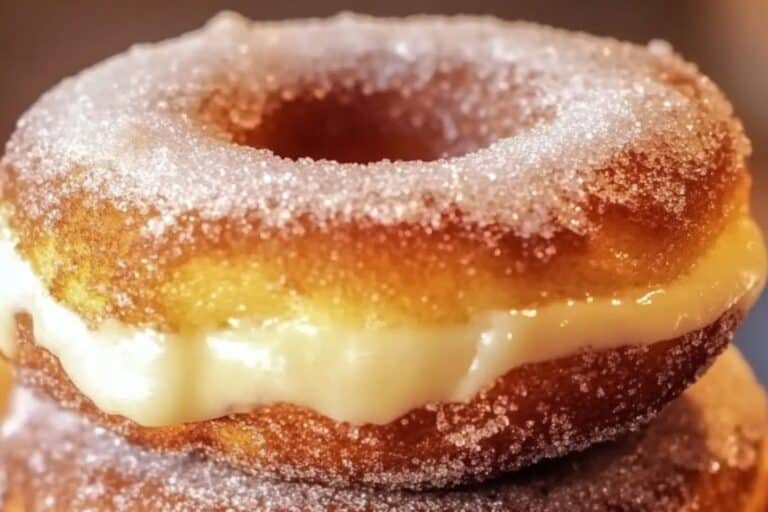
(537, 411)
(5, 385)
(358, 274)
(705, 452)
(759, 502)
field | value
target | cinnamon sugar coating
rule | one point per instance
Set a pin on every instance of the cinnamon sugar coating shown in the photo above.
(534, 412)
(322, 168)
(706, 451)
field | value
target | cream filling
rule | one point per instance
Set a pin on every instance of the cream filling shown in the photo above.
(372, 376)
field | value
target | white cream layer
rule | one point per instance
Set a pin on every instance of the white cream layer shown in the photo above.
(371, 376)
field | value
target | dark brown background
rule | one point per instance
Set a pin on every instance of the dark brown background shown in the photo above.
(43, 41)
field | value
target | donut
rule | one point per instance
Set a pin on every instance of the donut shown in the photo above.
(706, 451)
(408, 253)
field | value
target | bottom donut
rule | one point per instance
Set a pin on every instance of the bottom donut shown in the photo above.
(707, 451)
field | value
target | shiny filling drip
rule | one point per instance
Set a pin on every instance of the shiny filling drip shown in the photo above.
(369, 376)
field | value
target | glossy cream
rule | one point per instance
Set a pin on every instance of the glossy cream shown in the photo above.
(371, 376)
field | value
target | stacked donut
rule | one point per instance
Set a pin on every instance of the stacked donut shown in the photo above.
(361, 264)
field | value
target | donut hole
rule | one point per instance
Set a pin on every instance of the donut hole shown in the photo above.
(353, 127)
(349, 121)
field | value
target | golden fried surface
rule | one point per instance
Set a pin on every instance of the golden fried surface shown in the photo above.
(534, 412)
(5, 385)
(705, 452)
(356, 275)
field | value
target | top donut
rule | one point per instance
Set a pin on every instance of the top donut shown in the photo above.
(339, 162)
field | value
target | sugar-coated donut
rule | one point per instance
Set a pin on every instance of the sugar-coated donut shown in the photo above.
(705, 452)
(409, 253)
(558, 165)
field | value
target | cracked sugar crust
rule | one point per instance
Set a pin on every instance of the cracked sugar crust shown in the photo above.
(511, 163)
(704, 452)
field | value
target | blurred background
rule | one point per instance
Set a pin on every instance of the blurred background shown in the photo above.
(44, 41)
